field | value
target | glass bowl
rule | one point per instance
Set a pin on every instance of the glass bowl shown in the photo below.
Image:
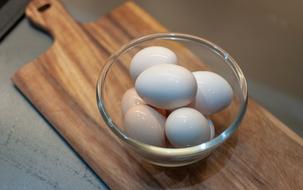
(195, 54)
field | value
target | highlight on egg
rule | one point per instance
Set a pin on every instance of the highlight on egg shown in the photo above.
(129, 99)
(187, 127)
(214, 93)
(166, 86)
(149, 57)
(143, 123)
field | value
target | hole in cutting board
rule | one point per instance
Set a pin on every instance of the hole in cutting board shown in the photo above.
(44, 7)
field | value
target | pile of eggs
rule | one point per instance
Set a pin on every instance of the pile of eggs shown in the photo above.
(169, 105)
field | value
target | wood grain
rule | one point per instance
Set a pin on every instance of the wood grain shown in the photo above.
(263, 154)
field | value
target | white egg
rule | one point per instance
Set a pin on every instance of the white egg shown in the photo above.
(214, 92)
(130, 98)
(212, 129)
(145, 124)
(166, 86)
(151, 56)
(187, 127)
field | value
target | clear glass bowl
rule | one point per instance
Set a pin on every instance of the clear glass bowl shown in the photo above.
(195, 54)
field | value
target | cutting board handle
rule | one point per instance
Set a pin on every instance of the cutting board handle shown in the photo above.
(50, 15)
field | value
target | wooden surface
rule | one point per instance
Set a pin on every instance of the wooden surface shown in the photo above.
(263, 154)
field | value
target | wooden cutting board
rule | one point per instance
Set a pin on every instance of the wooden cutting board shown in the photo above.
(263, 154)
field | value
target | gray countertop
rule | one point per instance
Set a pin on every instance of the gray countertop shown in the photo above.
(265, 37)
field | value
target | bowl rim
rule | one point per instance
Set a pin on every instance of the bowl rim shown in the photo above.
(162, 151)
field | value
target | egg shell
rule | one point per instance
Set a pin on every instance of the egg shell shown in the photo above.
(186, 127)
(129, 99)
(151, 56)
(214, 92)
(145, 124)
(166, 86)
